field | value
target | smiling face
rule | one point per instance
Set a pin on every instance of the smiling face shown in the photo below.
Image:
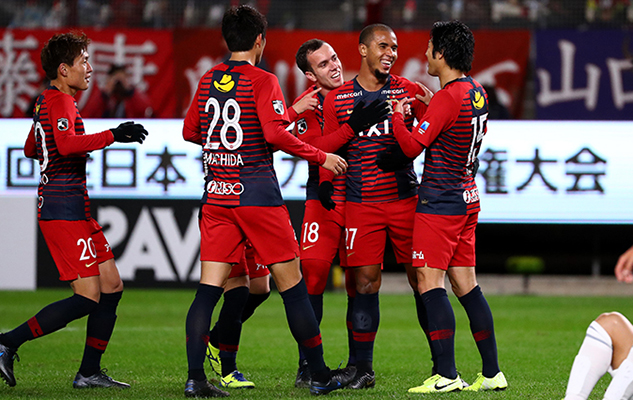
(327, 70)
(381, 53)
(77, 76)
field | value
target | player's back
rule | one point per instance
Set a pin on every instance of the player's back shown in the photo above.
(62, 189)
(234, 101)
(365, 181)
(450, 157)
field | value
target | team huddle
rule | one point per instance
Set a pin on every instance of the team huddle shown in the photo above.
(360, 138)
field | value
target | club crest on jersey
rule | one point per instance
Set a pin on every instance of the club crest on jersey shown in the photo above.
(478, 100)
(62, 124)
(226, 84)
(278, 106)
(423, 127)
(302, 126)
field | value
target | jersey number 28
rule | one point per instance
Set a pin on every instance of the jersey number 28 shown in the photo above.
(228, 123)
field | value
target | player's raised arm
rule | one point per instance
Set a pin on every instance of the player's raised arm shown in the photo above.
(360, 119)
(278, 137)
(129, 132)
(410, 147)
(307, 102)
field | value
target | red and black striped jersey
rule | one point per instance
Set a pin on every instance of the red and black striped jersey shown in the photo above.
(309, 128)
(452, 130)
(58, 140)
(366, 183)
(238, 115)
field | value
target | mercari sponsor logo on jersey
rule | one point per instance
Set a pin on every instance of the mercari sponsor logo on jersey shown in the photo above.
(349, 95)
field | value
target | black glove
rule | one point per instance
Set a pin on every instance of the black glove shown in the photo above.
(129, 132)
(392, 159)
(475, 166)
(363, 117)
(326, 190)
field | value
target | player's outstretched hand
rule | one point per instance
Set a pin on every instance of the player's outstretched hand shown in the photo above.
(326, 190)
(403, 106)
(307, 102)
(335, 164)
(424, 94)
(624, 267)
(392, 159)
(363, 117)
(129, 132)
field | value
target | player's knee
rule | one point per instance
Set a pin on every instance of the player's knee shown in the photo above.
(611, 321)
(461, 289)
(260, 285)
(113, 286)
(367, 286)
(315, 286)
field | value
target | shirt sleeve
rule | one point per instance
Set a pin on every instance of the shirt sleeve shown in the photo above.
(269, 100)
(191, 130)
(441, 114)
(292, 114)
(330, 125)
(273, 117)
(276, 135)
(333, 141)
(410, 147)
(325, 175)
(63, 114)
(313, 134)
(330, 121)
(30, 150)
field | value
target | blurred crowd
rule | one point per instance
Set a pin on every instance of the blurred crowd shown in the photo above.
(342, 15)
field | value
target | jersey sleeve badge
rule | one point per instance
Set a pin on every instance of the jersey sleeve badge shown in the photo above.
(278, 106)
(62, 124)
(423, 127)
(302, 126)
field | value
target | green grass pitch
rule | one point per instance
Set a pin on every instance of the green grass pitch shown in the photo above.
(537, 338)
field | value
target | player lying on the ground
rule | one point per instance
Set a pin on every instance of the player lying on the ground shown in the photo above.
(607, 348)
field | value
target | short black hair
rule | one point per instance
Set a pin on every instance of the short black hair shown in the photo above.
(455, 41)
(367, 34)
(240, 27)
(62, 48)
(304, 51)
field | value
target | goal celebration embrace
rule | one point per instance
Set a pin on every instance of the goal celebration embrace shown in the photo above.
(360, 134)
